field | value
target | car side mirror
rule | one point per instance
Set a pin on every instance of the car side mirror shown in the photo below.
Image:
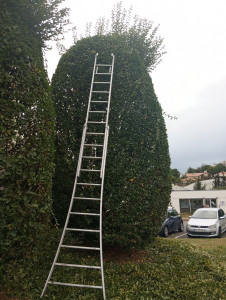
(189, 217)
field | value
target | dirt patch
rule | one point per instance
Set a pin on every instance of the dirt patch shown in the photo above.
(123, 256)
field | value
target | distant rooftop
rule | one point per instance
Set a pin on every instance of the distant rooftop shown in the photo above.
(208, 184)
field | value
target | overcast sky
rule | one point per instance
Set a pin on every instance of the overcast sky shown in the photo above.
(190, 82)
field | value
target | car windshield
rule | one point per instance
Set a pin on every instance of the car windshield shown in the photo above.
(204, 214)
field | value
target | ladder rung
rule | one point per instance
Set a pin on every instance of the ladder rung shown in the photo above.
(98, 111)
(102, 73)
(77, 266)
(95, 122)
(79, 247)
(76, 285)
(92, 157)
(85, 198)
(84, 214)
(87, 183)
(95, 133)
(93, 145)
(82, 230)
(103, 82)
(103, 92)
(89, 170)
(103, 65)
(99, 101)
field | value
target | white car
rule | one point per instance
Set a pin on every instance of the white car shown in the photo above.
(207, 222)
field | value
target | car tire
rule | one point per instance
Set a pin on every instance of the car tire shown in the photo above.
(181, 227)
(165, 231)
(219, 233)
(189, 236)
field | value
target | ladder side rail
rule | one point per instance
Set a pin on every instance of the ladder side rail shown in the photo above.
(104, 152)
(101, 237)
(61, 241)
(101, 207)
(106, 125)
(81, 150)
(91, 88)
(109, 95)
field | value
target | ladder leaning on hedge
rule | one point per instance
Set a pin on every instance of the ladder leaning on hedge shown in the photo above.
(91, 152)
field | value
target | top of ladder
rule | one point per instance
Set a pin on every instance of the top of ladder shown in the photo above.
(103, 65)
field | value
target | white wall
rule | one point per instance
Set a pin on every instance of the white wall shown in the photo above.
(220, 195)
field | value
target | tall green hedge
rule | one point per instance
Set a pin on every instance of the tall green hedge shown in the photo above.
(137, 184)
(26, 131)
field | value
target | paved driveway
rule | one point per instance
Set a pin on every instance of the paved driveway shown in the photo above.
(183, 235)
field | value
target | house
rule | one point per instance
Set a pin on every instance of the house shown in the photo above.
(190, 200)
(192, 177)
(221, 174)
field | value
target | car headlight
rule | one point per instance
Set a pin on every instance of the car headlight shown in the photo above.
(188, 226)
(212, 227)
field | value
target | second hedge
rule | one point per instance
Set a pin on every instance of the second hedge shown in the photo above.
(137, 182)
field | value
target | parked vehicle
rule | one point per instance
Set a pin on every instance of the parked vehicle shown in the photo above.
(173, 222)
(207, 222)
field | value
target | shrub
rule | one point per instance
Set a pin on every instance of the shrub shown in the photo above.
(27, 130)
(137, 184)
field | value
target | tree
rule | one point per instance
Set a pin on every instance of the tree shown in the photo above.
(191, 170)
(27, 122)
(219, 182)
(138, 181)
(199, 186)
(210, 169)
(175, 175)
(219, 168)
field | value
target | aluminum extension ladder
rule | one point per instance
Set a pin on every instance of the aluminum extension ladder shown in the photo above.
(95, 127)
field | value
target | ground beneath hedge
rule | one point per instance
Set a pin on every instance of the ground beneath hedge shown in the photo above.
(124, 256)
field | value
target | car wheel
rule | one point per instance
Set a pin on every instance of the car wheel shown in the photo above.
(165, 231)
(181, 227)
(219, 233)
(189, 236)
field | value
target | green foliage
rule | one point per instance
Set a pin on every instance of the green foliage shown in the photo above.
(175, 175)
(137, 182)
(219, 182)
(137, 34)
(26, 132)
(210, 169)
(167, 269)
(199, 186)
(43, 17)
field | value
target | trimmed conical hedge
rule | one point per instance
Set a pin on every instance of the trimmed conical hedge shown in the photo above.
(137, 181)
(26, 132)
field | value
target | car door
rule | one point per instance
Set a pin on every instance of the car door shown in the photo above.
(173, 220)
(222, 220)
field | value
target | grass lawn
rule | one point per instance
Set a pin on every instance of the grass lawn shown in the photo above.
(166, 269)
(185, 215)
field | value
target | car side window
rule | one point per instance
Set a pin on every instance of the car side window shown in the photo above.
(220, 213)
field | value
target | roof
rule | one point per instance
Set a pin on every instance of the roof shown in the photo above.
(179, 188)
(221, 174)
(208, 184)
(193, 174)
(209, 208)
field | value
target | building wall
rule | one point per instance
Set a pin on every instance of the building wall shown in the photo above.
(219, 195)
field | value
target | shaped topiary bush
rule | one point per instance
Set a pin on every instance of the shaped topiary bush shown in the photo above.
(137, 182)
